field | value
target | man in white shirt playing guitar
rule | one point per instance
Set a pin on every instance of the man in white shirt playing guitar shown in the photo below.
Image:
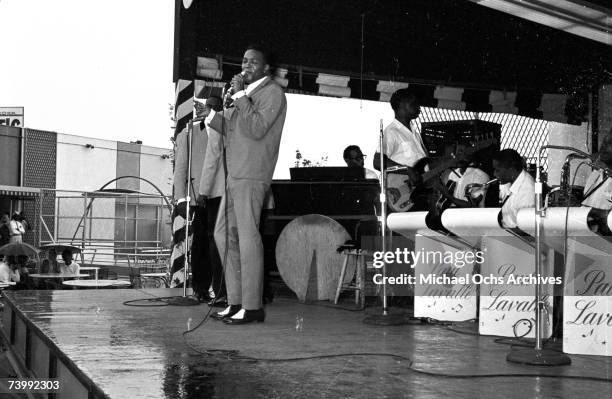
(403, 145)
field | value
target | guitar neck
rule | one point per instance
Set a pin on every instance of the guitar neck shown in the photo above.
(437, 170)
(446, 164)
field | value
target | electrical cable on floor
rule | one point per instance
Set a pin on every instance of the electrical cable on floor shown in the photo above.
(153, 298)
(232, 355)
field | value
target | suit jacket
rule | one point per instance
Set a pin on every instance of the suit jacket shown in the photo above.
(253, 129)
(181, 154)
(212, 182)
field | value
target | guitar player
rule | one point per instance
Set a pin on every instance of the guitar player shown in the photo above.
(403, 145)
(452, 187)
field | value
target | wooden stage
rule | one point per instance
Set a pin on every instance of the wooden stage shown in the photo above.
(97, 347)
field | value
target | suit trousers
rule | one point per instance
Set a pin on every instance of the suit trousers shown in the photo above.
(215, 266)
(237, 230)
(200, 252)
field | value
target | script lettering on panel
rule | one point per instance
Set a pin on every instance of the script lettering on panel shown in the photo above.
(507, 290)
(587, 304)
(443, 286)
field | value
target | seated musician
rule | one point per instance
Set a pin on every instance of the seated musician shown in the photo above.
(517, 187)
(598, 188)
(403, 144)
(354, 158)
(463, 186)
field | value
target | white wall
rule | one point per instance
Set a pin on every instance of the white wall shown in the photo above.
(324, 126)
(155, 169)
(85, 169)
(159, 172)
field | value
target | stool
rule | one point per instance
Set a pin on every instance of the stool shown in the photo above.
(360, 271)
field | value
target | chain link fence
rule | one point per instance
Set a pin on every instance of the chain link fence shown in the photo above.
(526, 135)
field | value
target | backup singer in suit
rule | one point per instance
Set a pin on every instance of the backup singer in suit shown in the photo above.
(253, 128)
(210, 192)
(188, 186)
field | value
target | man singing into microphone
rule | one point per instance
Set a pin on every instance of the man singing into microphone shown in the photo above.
(252, 130)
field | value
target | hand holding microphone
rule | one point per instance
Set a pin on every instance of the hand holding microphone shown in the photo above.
(236, 84)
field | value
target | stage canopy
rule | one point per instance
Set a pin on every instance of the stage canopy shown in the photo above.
(456, 42)
(458, 54)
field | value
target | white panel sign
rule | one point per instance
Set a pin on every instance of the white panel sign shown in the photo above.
(587, 304)
(432, 297)
(508, 308)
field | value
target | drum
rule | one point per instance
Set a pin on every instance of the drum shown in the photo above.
(307, 259)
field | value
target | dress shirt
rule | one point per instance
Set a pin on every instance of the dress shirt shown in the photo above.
(521, 194)
(370, 174)
(599, 197)
(470, 176)
(402, 145)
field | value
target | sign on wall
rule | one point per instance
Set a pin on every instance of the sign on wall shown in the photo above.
(11, 116)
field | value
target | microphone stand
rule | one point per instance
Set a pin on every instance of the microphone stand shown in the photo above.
(538, 356)
(185, 300)
(384, 319)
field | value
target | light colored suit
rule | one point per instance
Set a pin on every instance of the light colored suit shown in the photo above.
(181, 153)
(212, 181)
(253, 131)
(200, 259)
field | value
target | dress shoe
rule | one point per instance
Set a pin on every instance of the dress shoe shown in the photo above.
(227, 312)
(218, 302)
(203, 298)
(246, 316)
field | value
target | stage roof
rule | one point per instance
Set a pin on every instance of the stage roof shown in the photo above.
(453, 42)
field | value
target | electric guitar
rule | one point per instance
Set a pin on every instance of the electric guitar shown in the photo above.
(401, 182)
(445, 202)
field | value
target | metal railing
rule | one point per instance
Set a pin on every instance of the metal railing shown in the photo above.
(123, 229)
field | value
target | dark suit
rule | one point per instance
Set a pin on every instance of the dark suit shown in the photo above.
(253, 129)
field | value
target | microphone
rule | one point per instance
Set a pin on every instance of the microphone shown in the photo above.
(227, 97)
(396, 168)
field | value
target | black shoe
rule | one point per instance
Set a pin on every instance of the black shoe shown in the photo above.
(231, 310)
(249, 316)
(203, 298)
(218, 302)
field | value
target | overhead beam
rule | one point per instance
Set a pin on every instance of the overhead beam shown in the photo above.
(572, 16)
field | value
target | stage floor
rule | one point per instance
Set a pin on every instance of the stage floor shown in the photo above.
(140, 352)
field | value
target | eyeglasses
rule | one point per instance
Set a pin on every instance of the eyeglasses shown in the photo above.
(359, 158)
